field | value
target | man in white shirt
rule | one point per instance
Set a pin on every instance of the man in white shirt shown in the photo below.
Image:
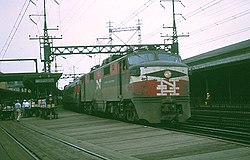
(18, 110)
(26, 107)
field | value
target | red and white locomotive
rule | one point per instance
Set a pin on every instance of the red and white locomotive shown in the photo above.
(151, 86)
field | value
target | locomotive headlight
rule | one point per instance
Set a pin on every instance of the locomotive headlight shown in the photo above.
(167, 74)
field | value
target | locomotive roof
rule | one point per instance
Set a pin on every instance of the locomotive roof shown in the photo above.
(71, 84)
(113, 58)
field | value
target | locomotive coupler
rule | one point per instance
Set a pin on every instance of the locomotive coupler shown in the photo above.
(170, 111)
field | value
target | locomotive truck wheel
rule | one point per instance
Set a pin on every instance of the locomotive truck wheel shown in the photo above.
(115, 113)
(90, 111)
(87, 108)
(84, 109)
(131, 115)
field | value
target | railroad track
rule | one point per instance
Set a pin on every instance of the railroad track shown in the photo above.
(235, 120)
(71, 145)
(231, 135)
(37, 152)
(26, 149)
(220, 123)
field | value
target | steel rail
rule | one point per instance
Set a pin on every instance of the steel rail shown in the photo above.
(70, 144)
(234, 136)
(33, 155)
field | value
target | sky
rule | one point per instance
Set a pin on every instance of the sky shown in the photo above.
(210, 24)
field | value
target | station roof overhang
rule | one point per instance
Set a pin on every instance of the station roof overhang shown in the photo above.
(229, 55)
(31, 80)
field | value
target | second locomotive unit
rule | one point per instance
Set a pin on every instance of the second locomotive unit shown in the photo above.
(150, 86)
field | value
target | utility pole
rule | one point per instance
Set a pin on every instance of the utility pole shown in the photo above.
(110, 39)
(175, 43)
(45, 41)
(137, 29)
(110, 32)
(47, 47)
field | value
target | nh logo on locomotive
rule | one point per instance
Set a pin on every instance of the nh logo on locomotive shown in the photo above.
(98, 84)
(167, 87)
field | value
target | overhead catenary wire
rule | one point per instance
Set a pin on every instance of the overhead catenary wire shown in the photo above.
(65, 20)
(195, 12)
(225, 20)
(15, 28)
(213, 12)
(38, 20)
(208, 9)
(67, 27)
(126, 20)
(234, 15)
(133, 15)
(219, 37)
(70, 15)
(136, 12)
(208, 6)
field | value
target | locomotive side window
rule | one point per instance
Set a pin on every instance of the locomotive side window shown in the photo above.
(107, 70)
(91, 76)
(124, 66)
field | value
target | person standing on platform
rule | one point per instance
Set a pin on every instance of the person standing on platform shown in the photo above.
(50, 105)
(42, 103)
(26, 107)
(18, 110)
(32, 107)
(208, 99)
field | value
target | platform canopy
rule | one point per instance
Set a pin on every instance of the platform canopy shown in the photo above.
(33, 76)
(226, 56)
(37, 82)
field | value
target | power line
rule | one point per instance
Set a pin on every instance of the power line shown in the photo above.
(135, 13)
(77, 18)
(15, 27)
(215, 11)
(209, 5)
(225, 20)
(203, 8)
(190, 14)
(210, 40)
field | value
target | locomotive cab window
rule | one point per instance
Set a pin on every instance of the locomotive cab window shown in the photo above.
(168, 57)
(140, 58)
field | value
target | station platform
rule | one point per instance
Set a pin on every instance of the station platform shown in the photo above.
(131, 141)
